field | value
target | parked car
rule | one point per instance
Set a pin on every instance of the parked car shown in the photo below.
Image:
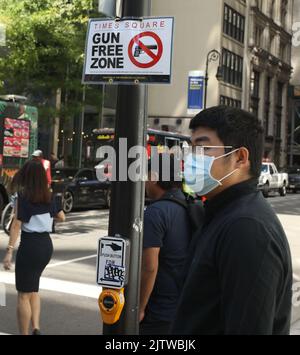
(271, 180)
(80, 188)
(294, 179)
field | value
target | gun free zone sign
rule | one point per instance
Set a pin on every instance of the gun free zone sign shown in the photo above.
(129, 51)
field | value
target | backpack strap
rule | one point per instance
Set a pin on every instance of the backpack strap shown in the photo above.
(181, 202)
(194, 210)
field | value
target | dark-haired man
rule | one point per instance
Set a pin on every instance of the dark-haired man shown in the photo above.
(167, 233)
(240, 278)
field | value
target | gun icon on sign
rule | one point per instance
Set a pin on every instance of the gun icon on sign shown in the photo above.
(138, 50)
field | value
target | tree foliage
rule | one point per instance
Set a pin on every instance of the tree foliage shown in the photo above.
(45, 47)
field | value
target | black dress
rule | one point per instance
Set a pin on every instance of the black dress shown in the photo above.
(35, 250)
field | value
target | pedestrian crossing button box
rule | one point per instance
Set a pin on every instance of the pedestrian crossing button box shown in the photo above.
(113, 262)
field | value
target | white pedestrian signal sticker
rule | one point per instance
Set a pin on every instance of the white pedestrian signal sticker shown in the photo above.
(113, 254)
(129, 51)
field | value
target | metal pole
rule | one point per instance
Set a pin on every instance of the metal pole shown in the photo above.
(127, 201)
(293, 133)
(212, 56)
(81, 127)
(247, 60)
(56, 127)
(206, 83)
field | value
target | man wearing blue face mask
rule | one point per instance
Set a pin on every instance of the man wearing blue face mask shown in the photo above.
(240, 275)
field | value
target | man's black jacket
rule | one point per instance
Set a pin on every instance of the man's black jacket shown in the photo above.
(240, 276)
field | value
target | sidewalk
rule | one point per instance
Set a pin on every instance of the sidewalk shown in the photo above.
(295, 329)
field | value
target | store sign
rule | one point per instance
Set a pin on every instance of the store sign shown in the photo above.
(105, 137)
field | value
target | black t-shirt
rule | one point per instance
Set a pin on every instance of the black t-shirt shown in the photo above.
(166, 226)
(240, 277)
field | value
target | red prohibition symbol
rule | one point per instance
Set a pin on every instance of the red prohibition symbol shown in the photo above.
(144, 48)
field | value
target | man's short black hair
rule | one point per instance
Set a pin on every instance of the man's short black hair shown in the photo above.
(237, 128)
(166, 163)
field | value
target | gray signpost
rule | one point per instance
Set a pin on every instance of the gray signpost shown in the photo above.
(130, 49)
(127, 207)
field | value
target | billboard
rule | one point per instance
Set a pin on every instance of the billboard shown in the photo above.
(16, 138)
(18, 132)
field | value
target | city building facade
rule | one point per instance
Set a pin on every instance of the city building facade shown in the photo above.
(254, 39)
(294, 102)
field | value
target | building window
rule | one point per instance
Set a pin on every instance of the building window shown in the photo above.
(232, 68)
(259, 36)
(267, 106)
(283, 51)
(272, 9)
(254, 86)
(279, 108)
(234, 24)
(228, 101)
(284, 13)
(273, 44)
(259, 4)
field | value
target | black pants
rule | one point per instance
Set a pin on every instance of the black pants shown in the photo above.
(152, 326)
(34, 253)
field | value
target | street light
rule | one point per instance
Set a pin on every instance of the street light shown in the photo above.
(212, 56)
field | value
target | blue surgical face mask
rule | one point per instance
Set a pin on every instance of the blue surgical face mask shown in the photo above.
(197, 173)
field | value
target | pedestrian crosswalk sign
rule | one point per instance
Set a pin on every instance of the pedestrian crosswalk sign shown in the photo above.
(112, 263)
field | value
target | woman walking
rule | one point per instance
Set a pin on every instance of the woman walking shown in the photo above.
(35, 209)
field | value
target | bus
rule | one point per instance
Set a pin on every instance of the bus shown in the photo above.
(105, 137)
(18, 139)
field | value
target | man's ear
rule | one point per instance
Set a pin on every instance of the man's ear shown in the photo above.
(242, 158)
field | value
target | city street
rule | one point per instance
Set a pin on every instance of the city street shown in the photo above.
(92, 90)
(68, 289)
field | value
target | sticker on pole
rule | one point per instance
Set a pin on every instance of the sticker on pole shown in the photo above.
(112, 263)
(129, 51)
